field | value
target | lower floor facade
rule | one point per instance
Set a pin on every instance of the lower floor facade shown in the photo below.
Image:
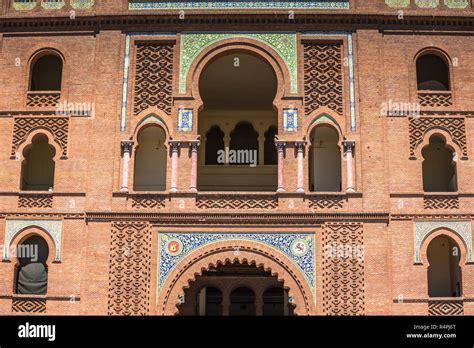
(237, 264)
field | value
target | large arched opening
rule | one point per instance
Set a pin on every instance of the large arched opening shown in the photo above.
(237, 124)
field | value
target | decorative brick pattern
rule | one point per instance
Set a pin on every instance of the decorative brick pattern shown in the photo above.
(441, 202)
(326, 202)
(343, 269)
(237, 202)
(322, 77)
(28, 305)
(445, 307)
(435, 100)
(58, 126)
(43, 99)
(154, 77)
(455, 126)
(35, 201)
(130, 269)
(148, 202)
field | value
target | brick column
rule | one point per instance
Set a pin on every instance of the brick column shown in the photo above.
(193, 145)
(126, 147)
(174, 148)
(280, 145)
(300, 145)
(348, 153)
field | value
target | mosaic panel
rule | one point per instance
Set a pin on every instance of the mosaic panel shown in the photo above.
(173, 247)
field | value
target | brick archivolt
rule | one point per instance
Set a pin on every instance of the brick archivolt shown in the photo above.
(221, 252)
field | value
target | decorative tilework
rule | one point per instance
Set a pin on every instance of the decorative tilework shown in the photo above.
(24, 5)
(52, 4)
(237, 4)
(290, 120)
(427, 3)
(398, 3)
(423, 228)
(82, 4)
(456, 3)
(185, 120)
(279, 241)
(193, 43)
(52, 227)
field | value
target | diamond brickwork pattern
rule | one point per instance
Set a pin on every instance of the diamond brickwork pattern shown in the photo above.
(445, 307)
(435, 100)
(130, 269)
(35, 201)
(441, 202)
(455, 126)
(343, 272)
(322, 77)
(154, 77)
(326, 202)
(42, 100)
(28, 305)
(148, 202)
(57, 126)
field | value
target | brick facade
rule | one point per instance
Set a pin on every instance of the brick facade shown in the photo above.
(129, 64)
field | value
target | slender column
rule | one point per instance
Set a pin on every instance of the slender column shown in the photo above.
(225, 301)
(126, 147)
(280, 145)
(261, 150)
(259, 303)
(226, 147)
(174, 148)
(299, 145)
(194, 145)
(348, 152)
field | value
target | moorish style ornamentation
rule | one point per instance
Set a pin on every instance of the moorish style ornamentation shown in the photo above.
(27, 200)
(154, 77)
(421, 229)
(185, 120)
(455, 126)
(82, 4)
(441, 202)
(290, 120)
(236, 202)
(57, 126)
(343, 269)
(322, 76)
(194, 43)
(29, 305)
(52, 227)
(189, 242)
(130, 269)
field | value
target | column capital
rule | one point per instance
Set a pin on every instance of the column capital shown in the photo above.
(349, 145)
(194, 144)
(126, 145)
(280, 145)
(300, 145)
(174, 145)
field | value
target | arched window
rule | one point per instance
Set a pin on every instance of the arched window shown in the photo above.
(439, 170)
(209, 301)
(46, 73)
(432, 72)
(444, 273)
(32, 271)
(275, 302)
(270, 152)
(38, 165)
(150, 160)
(242, 302)
(325, 160)
(214, 144)
(244, 144)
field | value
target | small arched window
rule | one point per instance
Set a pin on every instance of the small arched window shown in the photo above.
(270, 152)
(46, 73)
(242, 302)
(32, 271)
(432, 72)
(439, 169)
(150, 160)
(209, 301)
(214, 145)
(37, 172)
(325, 160)
(444, 273)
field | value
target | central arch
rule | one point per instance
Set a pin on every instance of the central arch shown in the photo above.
(249, 252)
